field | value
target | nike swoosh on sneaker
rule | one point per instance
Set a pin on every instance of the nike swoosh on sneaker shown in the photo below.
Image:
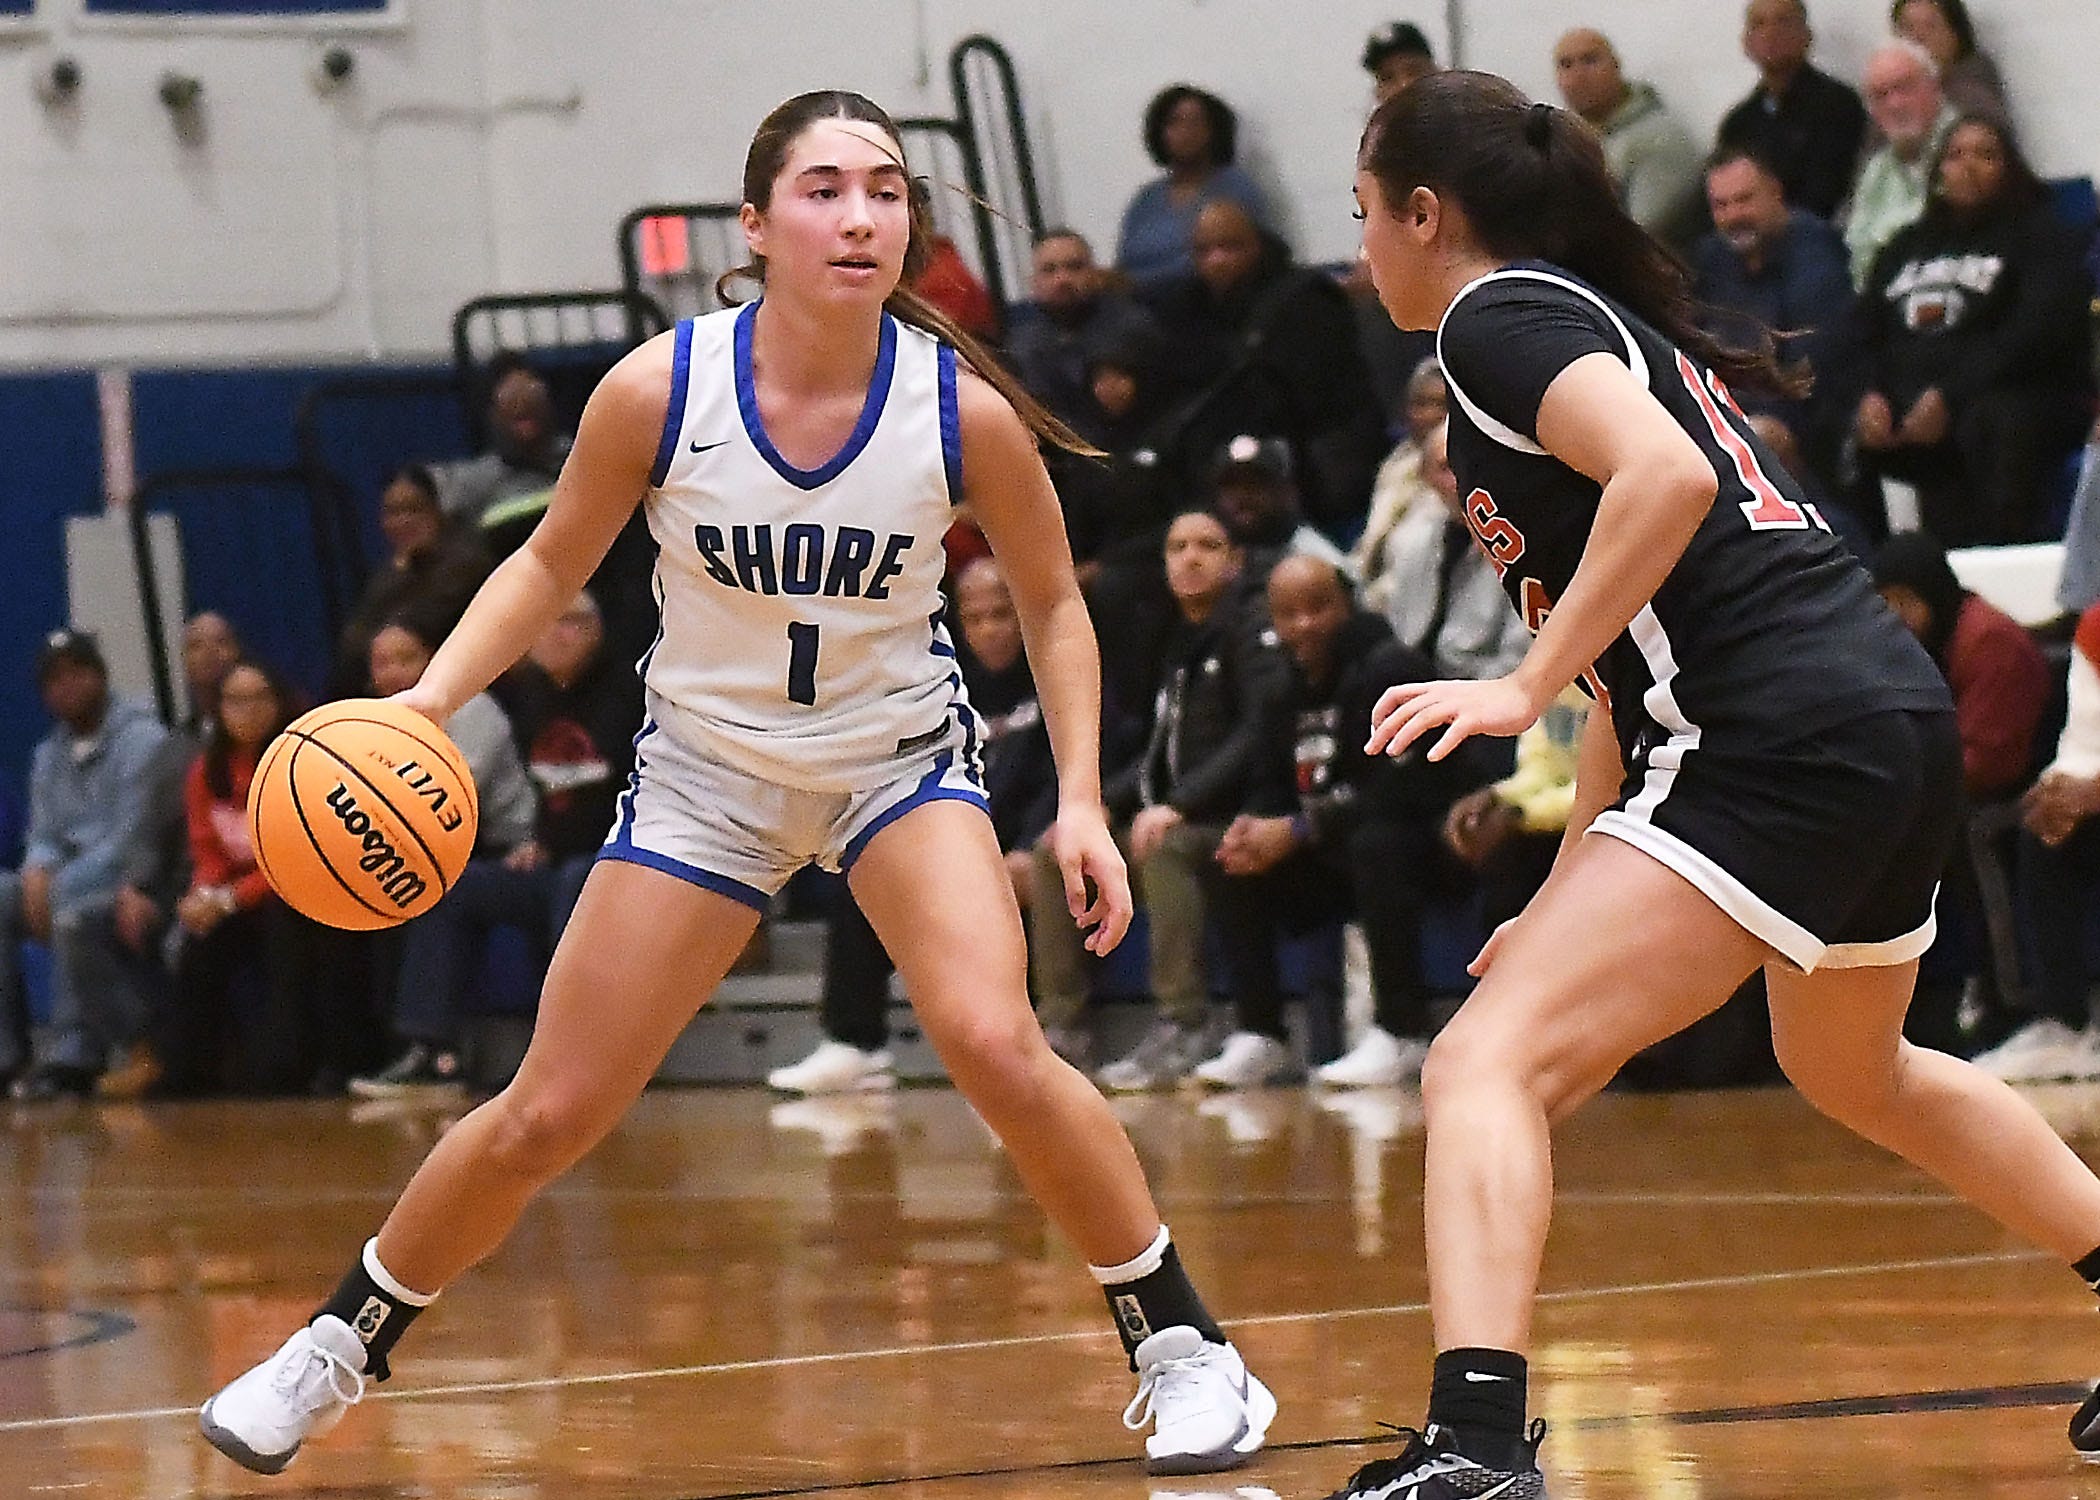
(1476, 1378)
(706, 447)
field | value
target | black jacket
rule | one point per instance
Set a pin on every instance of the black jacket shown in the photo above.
(1205, 725)
(1966, 307)
(1812, 134)
(1309, 759)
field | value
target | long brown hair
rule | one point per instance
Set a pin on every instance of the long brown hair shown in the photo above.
(777, 133)
(1534, 186)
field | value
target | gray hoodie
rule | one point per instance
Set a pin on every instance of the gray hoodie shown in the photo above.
(1657, 163)
(86, 796)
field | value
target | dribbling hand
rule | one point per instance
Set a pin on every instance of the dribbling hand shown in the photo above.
(1498, 706)
(1086, 852)
(423, 703)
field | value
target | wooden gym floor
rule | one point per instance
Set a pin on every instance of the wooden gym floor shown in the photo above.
(853, 1298)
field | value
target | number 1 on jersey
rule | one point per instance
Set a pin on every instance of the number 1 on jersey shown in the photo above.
(802, 662)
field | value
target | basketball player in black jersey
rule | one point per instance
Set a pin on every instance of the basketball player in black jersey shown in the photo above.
(1770, 778)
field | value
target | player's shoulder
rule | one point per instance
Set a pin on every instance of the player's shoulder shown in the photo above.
(1518, 291)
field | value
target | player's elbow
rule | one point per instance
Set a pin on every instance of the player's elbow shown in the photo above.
(1680, 482)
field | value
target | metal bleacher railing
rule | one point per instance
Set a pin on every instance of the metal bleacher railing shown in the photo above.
(978, 162)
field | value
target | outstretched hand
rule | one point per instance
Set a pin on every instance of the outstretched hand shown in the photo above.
(1497, 707)
(1086, 853)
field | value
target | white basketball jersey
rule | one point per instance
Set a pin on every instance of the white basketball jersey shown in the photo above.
(800, 637)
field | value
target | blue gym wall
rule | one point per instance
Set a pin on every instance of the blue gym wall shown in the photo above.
(248, 551)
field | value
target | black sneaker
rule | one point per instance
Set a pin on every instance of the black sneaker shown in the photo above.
(1430, 1467)
(2085, 1428)
(420, 1067)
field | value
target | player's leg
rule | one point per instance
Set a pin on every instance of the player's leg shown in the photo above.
(1616, 952)
(641, 953)
(1839, 1036)
(934, 886)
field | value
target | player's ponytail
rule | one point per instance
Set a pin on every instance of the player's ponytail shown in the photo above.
(762, 163)
(1532, 183)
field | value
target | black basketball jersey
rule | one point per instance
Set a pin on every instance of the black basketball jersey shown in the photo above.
(1765, 631)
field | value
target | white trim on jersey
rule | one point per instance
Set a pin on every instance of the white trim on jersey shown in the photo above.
(1666, 759)
(1753, 913)
(1501, 432)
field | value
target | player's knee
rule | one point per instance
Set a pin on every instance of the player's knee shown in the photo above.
(1845, 1093)
(1459, 1059)
(995, 1060)
(538, 1136)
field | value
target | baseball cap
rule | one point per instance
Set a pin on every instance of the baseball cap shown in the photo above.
(71, 645)
(1396, 39)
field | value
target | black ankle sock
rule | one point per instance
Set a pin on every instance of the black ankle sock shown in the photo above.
(1154, 1299)
(1480, 1394)
(376, 1315)
(2089, 1270)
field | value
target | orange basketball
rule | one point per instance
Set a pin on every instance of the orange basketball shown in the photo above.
(363, 814)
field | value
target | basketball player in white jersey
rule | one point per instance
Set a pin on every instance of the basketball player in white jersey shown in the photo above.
(798, 460)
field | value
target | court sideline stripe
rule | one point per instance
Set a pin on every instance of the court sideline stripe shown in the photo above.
(895, 1351)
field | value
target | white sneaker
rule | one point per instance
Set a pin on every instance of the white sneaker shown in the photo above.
(299, 1392)
(1248, 1061)
(1207, 1410)
(1379, 1060)
(2037, 1053)
(834, 1068)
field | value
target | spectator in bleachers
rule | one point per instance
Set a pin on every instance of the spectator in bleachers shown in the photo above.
(948, 283)
(1509, 833)
(1652, 156)
(154, 868)
(1445, 599)
(1968, 77)
(1996, 671)
(1805, 123)
(1396, 55)
(247, 967)
(1769, 267)
(1020, 778)
(504, 844)
(1400, 484)
(1975, 345)
(434, 563)
(1272, 346)
(1254, 493)
(1120, 505)
(527, 447)
(210, 647)
(2059, 869)
(1902, 89)
(1194, 136)
(1329, 834)
(87, 779)
(1173, 801)
(1073, 315)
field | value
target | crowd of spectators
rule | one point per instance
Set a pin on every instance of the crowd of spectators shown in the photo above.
(1271, 536)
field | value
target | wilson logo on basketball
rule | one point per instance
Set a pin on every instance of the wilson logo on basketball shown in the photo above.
(424, 785)
(381, 860)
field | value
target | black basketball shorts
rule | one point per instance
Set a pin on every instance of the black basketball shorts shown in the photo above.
(1829, 848)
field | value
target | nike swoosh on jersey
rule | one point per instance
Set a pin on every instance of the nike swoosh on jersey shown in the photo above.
(705, 447)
